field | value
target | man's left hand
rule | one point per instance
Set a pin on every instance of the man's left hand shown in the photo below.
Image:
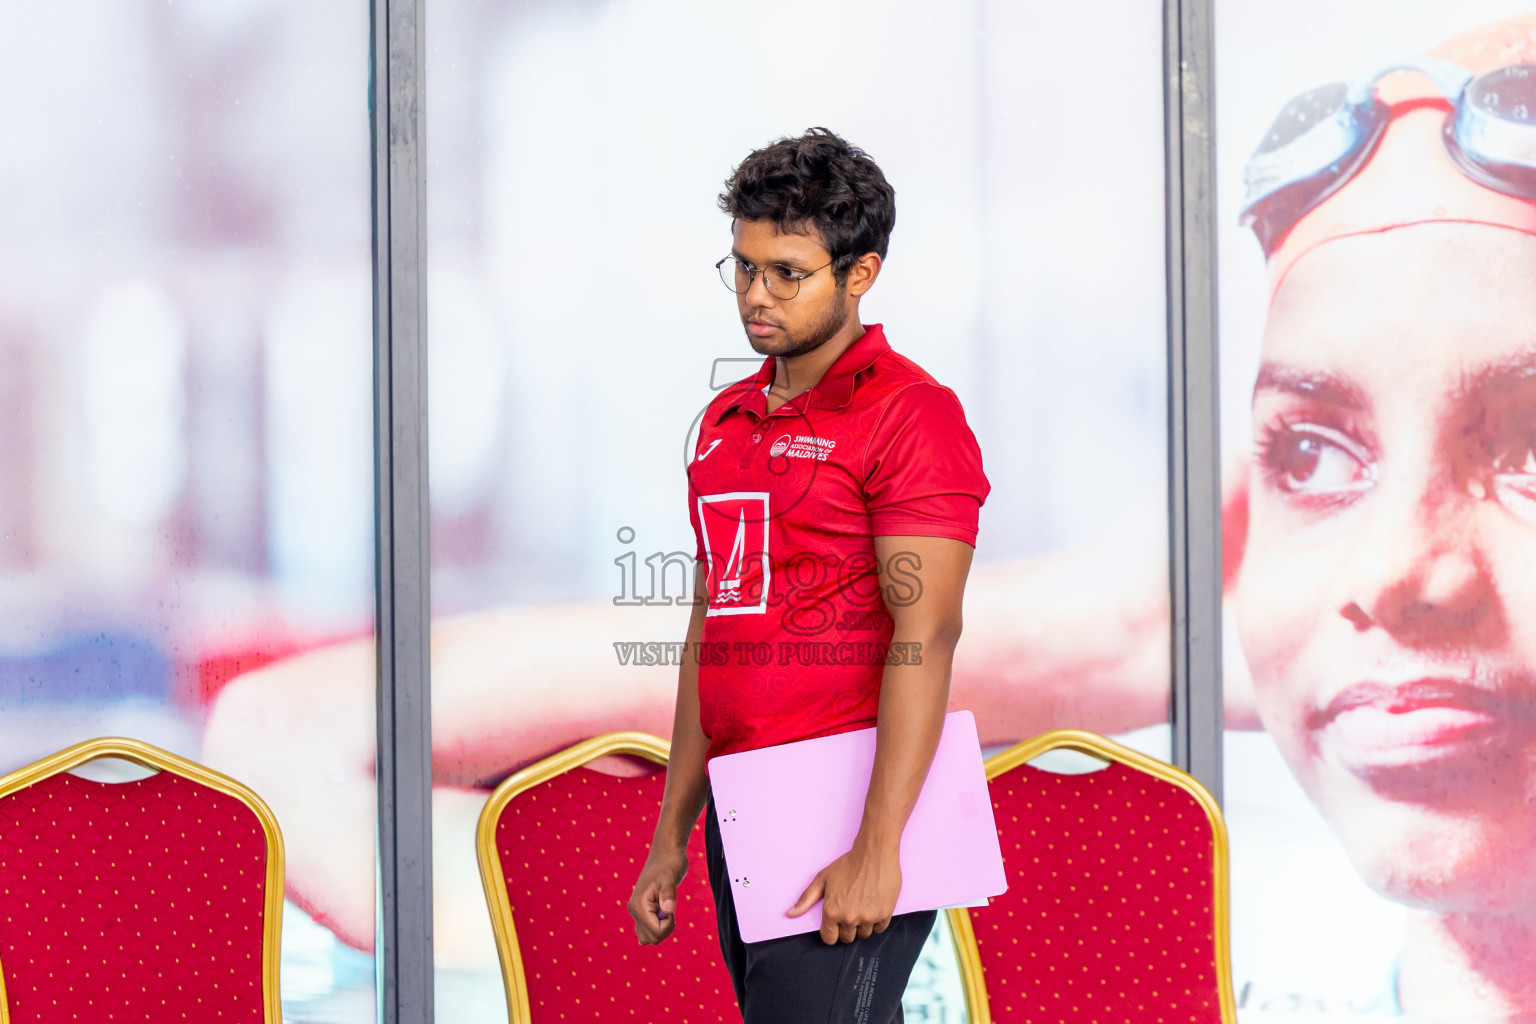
(858, 893)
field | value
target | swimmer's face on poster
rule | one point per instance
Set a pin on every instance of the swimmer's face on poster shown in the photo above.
(1381, 523)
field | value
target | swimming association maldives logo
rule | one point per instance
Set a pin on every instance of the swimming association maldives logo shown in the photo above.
(779, 447)
(804, 446)
(735, 527)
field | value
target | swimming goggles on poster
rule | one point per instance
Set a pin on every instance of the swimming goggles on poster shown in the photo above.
(1324, 137)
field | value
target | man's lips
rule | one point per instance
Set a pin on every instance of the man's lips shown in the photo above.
(1381, 725)
(761, 328)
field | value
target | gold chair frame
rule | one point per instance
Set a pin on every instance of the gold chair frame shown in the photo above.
(493, 878)
(978, 1010)
(151, 757)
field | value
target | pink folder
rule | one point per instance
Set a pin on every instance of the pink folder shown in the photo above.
(786, 812)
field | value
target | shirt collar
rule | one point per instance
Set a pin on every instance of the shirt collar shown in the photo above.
(835, 388)
(749, 392)
(833, 391)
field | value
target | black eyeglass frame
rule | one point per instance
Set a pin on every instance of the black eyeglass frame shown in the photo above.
(796, 276)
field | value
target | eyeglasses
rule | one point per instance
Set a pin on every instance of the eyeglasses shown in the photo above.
(782, 282)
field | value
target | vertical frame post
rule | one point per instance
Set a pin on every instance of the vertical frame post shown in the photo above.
(404, 759)
(1194, 475)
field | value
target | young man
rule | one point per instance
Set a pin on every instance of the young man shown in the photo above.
(835, 498)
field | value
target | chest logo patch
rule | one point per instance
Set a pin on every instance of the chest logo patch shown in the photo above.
(779, 447)
(735, 527)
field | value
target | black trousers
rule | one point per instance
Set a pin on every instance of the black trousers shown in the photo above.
(801, 980)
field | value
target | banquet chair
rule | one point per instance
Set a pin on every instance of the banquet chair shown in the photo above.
(560, 846)
(153, 900)
(1116, 908)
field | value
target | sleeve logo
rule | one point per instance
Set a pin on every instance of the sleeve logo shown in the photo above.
(735, 527)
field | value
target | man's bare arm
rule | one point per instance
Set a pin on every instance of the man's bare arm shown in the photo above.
(653, 904)
(860, 888)
(914, 691)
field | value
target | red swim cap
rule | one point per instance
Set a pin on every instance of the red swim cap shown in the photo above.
(1411, 178)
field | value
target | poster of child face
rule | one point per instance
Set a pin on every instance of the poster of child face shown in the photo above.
(1378, 326)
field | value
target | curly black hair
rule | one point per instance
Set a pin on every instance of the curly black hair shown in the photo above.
(817, 179)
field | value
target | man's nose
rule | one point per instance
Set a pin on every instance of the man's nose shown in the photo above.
(758, 294)
(1416, 568)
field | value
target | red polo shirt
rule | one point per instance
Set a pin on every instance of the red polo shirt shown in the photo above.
(786, 507)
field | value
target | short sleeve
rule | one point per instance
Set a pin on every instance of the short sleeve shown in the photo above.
(922, 470)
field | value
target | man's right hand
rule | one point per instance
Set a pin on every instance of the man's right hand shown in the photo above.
(654, 902)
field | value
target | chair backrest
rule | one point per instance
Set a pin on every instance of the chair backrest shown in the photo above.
(1116, 908)
(560, 847)
(153, 900)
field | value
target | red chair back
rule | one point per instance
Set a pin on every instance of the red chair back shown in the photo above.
(560, 848)
(1116, 908)
(153, 900)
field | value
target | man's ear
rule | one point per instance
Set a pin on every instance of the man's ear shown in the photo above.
(1234, 518)
(862, 274)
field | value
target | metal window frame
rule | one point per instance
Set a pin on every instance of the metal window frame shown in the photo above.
(403, 584)
(1194, 450)
(404, 761)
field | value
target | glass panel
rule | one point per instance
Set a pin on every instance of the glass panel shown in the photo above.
(1377, 405)
(185, 417)
(578, 326)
